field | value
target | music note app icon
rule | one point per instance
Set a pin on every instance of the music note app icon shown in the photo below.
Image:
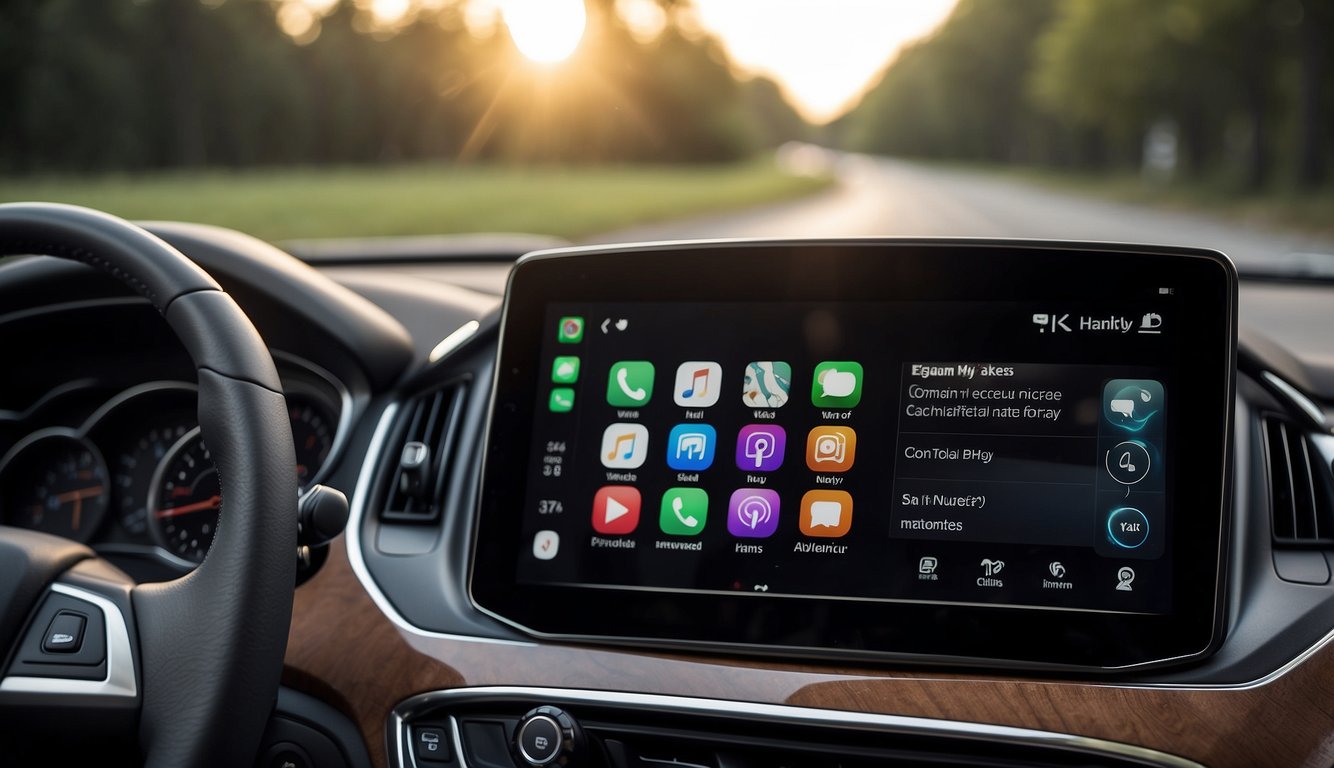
(698, 384)
(624, 446)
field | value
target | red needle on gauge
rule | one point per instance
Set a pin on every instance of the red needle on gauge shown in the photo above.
(211, 502)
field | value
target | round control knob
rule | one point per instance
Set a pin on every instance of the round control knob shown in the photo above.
(547, 736)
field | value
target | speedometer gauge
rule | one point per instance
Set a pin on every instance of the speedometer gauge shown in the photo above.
(135, 468)
(184, 500)
(55, 483)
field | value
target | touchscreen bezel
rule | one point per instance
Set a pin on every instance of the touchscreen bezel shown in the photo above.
(870, 270)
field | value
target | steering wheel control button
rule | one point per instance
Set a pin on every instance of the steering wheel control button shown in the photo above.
(431, 744)
(1127, 527)
(65, 633)
(66, 639)
(546, 736)
(1128, 462)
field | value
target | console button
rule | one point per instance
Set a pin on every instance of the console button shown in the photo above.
(1127, 527)
(285, 755)
(431, 744)
(65, 633)
(540, 740)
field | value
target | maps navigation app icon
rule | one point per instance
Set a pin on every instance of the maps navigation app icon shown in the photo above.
(767, 385)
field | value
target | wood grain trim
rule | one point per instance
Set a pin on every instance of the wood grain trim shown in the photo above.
(344, 650)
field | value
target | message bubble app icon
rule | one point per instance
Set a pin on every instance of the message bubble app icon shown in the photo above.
(752, 513)
(831, 449)
(767, 384)
(1133, 405)
(760, 447)
(837, 384)
(565, 369)
(826, 514)
(690, 447)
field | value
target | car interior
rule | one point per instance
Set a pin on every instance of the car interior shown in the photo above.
(510, 501)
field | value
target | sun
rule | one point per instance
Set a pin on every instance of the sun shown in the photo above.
(545, 31)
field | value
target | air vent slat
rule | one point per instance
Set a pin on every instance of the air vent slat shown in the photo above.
(429, 424)
(1301, 486)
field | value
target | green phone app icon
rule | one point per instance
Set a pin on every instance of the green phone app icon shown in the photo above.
(565, 369)
(684, 511)
(837, 384)
(562, 400)
(630, 383)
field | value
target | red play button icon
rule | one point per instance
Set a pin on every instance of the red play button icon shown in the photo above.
(616, 510)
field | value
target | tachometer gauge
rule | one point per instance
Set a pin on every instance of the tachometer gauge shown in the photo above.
(184, 500)
(56, 483)
(134, 470)
(312, 433)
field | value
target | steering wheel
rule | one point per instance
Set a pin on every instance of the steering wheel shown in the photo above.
(196, 660)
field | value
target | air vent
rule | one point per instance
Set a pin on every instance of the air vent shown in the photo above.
(1301, 485)
(419, 459)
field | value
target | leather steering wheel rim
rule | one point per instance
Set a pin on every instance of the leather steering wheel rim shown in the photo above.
(211, 642)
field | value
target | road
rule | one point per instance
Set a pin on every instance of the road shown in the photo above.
(890, 197)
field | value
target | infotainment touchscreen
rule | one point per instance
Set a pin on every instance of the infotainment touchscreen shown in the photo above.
(864, 446)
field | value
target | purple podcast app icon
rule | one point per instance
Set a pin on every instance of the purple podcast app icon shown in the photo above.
(759, 447)
(753, 513)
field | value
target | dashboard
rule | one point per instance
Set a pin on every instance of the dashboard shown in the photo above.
(474, 437)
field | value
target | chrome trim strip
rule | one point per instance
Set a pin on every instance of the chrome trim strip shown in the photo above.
(453, 340)
(126, 395)
(361, 497)
(1295, 397)
(775, 713)
(343, 430)
(120, 679)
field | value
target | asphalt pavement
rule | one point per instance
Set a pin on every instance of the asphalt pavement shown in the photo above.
(883, 197)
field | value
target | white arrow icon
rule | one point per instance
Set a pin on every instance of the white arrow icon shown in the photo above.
(1061, 323)
(614, 511)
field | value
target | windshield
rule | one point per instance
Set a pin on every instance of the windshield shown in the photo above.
(1190, 122)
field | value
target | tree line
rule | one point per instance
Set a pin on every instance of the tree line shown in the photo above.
(135, 85)
(1237, 92)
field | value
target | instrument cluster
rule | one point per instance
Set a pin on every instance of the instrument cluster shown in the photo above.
(129, 473)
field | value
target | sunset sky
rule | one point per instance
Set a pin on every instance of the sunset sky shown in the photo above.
(823, 52)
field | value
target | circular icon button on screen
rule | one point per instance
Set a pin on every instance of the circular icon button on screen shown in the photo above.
(1127, 527)
(1128, 462)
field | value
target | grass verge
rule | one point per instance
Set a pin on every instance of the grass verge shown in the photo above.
(1279, 209)
(424, 199)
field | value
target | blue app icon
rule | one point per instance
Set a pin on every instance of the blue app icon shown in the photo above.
(690, 447)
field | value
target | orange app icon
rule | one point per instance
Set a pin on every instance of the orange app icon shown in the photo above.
(831, 449)
(826, 514)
